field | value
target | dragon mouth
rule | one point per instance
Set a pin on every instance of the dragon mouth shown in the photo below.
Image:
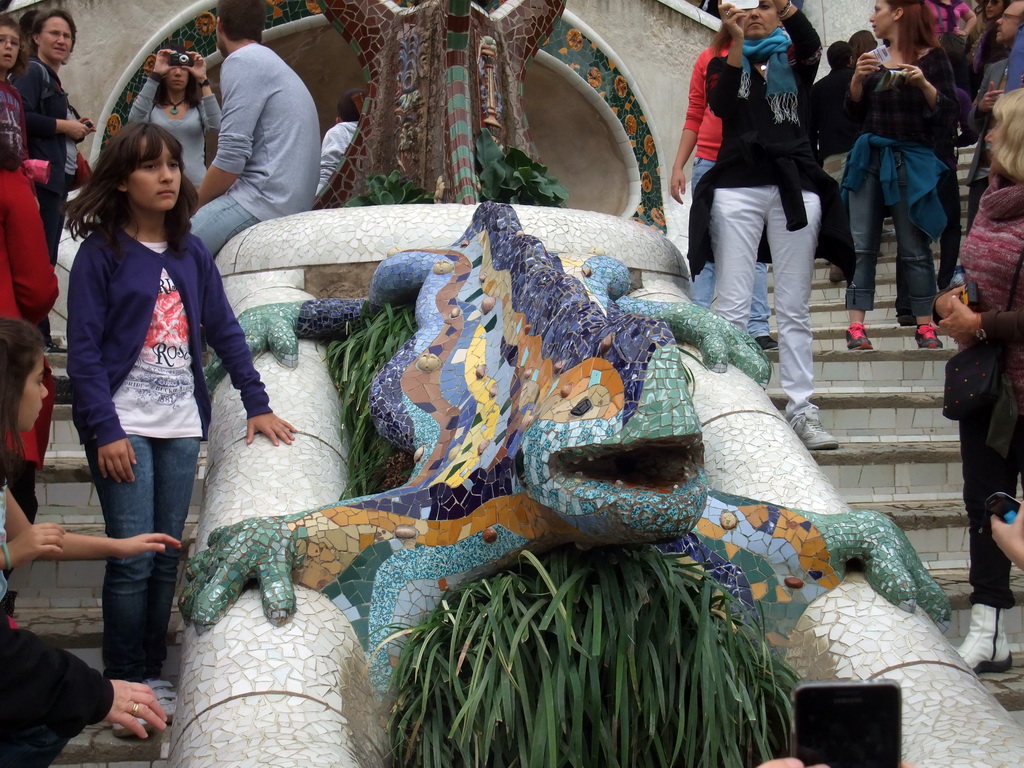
(665, 464)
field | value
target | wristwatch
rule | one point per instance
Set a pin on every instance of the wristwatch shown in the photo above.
(205, 83)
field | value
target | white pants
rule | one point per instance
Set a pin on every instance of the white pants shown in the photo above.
(738, 217)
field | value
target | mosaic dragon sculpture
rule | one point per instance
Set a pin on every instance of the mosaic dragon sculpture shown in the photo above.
(540, 409)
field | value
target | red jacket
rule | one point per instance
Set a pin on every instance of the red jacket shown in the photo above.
(28, 284)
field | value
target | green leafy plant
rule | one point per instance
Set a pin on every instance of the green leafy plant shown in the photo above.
(611, 657)
(353, 363)
(390, 190)
(511, 176)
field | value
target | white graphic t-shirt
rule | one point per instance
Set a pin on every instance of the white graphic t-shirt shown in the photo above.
(157, 398)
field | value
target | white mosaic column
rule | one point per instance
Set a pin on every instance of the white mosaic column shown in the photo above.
(250, 693)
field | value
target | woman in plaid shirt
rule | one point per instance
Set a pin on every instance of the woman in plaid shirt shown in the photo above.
(902, 104)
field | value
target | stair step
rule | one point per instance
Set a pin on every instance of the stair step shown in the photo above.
(873, 472)
(880, 416)
(915, 370)
(77, 627)
(97, 746)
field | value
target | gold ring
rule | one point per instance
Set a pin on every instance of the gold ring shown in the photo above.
(135, 709)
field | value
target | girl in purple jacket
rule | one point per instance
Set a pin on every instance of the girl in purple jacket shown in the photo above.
(140, 290)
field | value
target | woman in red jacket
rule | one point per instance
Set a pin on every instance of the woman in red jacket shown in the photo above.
(28, 290)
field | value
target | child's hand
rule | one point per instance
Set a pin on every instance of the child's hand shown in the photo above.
(43, 540)
(271, 425)
(116, 460)
(145, 542)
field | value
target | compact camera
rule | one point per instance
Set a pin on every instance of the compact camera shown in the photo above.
(181, 60)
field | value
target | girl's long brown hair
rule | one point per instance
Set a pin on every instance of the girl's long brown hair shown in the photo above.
(21, 346)
(102, 207)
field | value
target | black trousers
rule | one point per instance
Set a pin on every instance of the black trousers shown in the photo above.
(986, 472)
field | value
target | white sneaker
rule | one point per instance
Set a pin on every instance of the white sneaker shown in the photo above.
(814, 436)
(166, 694)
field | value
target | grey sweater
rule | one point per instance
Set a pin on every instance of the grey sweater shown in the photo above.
(190, 129)
(269, 136)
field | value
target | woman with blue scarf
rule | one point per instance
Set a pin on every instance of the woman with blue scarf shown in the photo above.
(767, 181)
(902, 105)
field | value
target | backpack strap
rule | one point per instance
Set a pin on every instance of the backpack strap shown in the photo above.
(49, 88)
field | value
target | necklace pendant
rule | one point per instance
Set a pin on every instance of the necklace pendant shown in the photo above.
(174, 110)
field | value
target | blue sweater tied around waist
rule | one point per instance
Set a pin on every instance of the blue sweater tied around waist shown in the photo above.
(923, 168)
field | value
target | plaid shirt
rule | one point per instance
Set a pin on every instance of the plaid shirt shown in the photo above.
(902, 113)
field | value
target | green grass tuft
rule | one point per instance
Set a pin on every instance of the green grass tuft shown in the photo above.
(610, 657)
(354, 363)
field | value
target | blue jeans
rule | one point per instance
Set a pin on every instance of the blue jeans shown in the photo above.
(220, 220)
(703, 285)
(34, 747)
(138, 591)
(913, 247)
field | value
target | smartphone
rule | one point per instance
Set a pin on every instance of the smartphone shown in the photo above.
(847, 724)
(1003, 505)
(745, 5)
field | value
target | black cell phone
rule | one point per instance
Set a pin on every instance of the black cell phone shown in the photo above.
(848, 724)
(1003, 505)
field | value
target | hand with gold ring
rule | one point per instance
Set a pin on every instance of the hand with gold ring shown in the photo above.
(731, 19)
(133, 701)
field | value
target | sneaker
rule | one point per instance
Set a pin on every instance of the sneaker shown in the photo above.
(53, 348)
(766, 342)
(123, 732)
(814, 436)
(856, 338)
(926, 338)
(166, 695)
(906, 320)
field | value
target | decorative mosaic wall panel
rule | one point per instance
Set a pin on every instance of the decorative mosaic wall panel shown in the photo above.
(586, 58)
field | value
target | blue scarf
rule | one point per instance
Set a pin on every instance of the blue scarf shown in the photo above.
(781, 91)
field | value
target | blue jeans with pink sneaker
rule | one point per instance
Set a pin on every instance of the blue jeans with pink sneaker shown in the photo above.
(138, 591)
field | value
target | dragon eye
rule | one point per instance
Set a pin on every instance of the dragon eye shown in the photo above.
(582, 407)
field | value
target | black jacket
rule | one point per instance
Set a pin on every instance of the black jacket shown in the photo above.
(831, 131)
(45, 103)
(40, 685)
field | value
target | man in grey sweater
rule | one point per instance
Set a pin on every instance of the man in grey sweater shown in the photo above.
(268, 153)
